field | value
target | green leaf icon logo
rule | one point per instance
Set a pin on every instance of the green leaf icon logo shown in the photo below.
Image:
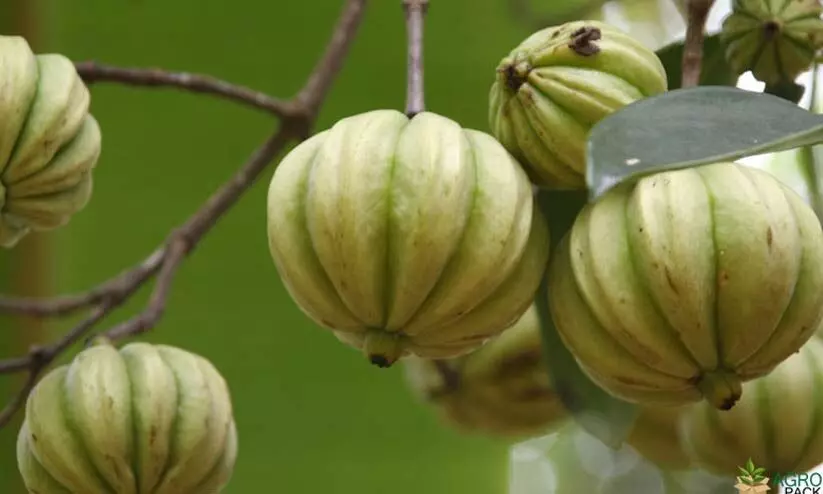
(750, 474)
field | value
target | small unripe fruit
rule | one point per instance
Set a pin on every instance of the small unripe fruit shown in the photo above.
(556, 85)
(49, 143)
(776, 39)
(147, 419)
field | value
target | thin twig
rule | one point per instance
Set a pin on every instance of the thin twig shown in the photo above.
(415, 14)
(92, 72)
(116, 288)
(297, 118)
(697, 11)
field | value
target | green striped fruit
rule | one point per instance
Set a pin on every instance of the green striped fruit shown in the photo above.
(778, 423)
(49, 143)
(775, 39)
(406, 236)
(553, 87)
(502, 389)
(147, 419)
(655, 435)
(684, 284)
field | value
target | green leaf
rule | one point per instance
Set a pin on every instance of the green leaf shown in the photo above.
(602, 415)
(716, 71)
(691, 127)
(749, 465)
(743, 471)
(788, 90)
(759, 471)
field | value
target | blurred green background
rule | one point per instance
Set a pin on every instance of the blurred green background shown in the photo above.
(313, 415)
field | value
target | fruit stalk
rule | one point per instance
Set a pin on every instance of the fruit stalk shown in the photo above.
(697, 11)
(415, 13)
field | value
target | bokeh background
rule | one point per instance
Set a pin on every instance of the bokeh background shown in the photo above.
(313, 415)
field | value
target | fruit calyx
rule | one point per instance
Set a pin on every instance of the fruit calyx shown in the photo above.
(721, 388)
(582, 41)
(382, 347)
(516, 73)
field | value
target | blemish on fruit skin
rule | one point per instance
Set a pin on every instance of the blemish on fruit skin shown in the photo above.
(724, 277)
(670, 280)
(769, 236)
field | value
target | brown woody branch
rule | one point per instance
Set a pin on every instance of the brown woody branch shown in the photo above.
(296, 120)
(697, 11)
(92, 72)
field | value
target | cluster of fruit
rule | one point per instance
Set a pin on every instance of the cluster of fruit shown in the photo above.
(686, 291)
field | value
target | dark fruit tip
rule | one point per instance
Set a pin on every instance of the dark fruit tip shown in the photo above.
(380, 361)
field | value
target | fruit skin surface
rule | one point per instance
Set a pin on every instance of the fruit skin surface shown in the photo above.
(776, 424)
(406, 236)
(776, 39)
(49, 143)
(556, 85)
(501, 389)
(147, 419)
(684, 284)
(655, 436)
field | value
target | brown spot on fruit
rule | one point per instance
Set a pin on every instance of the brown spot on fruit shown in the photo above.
(769, 236)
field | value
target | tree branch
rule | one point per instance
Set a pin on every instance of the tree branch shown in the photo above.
(93, 72)
(415, 14)
(697, 11)
(297, 118)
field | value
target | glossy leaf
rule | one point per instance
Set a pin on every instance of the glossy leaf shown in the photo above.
(602, 415)
(691, 127)
(715, 71)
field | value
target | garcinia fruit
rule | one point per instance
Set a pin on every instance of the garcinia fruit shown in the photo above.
(553, 87)
(776, 39)
(682, 285)
(501, 389)
(49, 143)
(406, 236)
(144, 419)
(777, 423)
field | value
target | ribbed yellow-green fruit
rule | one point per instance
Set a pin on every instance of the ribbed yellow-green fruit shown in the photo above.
(147, 419)
(557, 84)
(49, 143)
(778, 423)
(776, 39)
(406, 236)
(655, 435)
(682, 285)
(502, 389)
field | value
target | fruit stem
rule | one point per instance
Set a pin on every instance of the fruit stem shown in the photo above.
(383, 348)
(721, 388)
(415, 13)
(692, 62)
